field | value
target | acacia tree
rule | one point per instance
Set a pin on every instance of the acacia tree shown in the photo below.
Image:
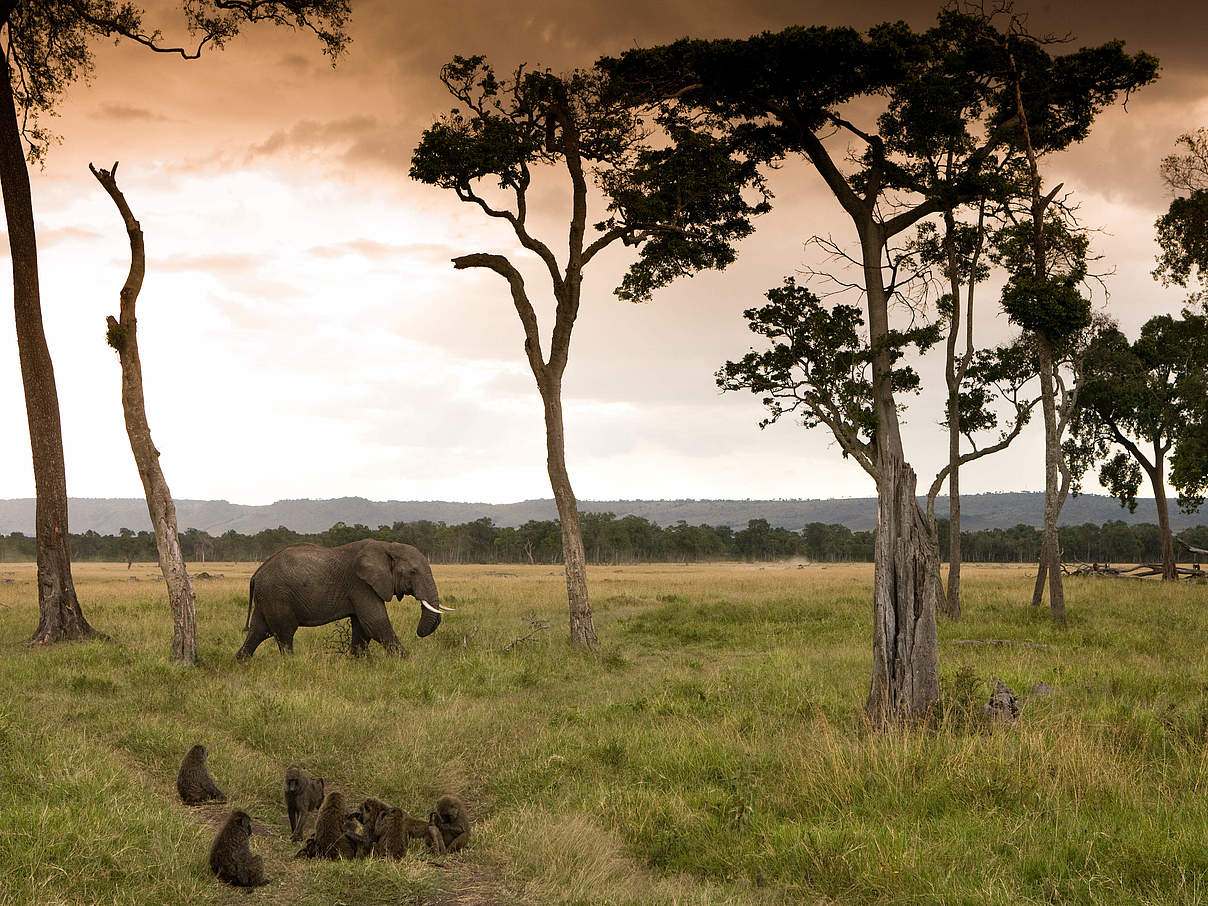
(783, 93)
(46, 49)
(1183, 229)
(1143, 397)
(682, 206)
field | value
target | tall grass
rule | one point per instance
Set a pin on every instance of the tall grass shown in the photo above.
(714, 752)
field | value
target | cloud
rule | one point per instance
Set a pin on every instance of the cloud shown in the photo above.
(427, 253)
(127, 113)
(309, 135)
(222, 264)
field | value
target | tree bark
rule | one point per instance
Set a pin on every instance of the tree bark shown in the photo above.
(1169, 567)
(123, 336)
(905, 670)
(952, 604)
(582, 626)
(59, 614)
(1050, 551)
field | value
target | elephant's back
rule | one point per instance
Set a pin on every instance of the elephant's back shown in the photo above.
(305, 581)
(300, 570)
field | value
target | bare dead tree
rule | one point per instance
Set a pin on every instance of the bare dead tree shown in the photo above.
(123, 337)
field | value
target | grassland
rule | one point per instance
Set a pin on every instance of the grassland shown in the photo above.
(714, 752)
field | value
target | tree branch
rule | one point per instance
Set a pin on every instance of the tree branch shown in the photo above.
(985, 451)
(134, 279)
(532, 336)
(467, 194)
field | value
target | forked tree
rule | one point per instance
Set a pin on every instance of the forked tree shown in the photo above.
(681, 206)
(785, 93)
(47, 48)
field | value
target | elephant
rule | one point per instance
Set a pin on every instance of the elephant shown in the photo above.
(309, 585)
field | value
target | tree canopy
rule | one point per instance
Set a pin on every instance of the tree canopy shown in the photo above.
(50, 43)
(681, 202)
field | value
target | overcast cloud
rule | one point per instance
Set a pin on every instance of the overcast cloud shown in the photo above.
(304, 335)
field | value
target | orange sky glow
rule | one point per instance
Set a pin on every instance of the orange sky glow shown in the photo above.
(303, 333)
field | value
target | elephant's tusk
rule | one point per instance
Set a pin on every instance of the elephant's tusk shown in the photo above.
(429, 607)
(446, 609)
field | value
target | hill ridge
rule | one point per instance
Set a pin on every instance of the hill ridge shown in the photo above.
(1004, 509)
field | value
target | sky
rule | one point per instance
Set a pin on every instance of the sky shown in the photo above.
(303, 334)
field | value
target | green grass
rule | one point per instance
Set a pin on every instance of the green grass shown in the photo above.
(714, 752)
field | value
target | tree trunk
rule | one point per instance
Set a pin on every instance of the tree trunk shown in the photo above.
(123, 336)
(905, 669)
(582, 627)
(1169, 567)
(59, 613)
(905, 672)
(953, 603)
(1050, 551)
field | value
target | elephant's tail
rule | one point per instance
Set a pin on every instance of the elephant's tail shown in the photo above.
(251, 597)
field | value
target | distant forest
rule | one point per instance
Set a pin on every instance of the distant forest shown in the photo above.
(629, 539)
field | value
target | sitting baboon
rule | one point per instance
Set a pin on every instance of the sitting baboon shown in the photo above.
(395, 827)
(390, 834)
(355, 843)
(193, 781)
(369, 811)
(335, 833)
(303, 794)
(452, 821)
(230, 857)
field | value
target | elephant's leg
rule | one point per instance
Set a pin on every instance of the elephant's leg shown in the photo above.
(285, 639)
(257, 632)
(371, 613)
(360, 641)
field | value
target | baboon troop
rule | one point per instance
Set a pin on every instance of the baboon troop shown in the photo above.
(379, 829)
(193, 781)
(303, 795)
(375, 828)
(230, 857)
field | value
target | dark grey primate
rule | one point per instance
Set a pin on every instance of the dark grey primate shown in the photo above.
(231, 859)
(303, 794)
(193, 780)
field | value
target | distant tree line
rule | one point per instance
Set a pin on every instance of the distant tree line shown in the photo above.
(608, 539)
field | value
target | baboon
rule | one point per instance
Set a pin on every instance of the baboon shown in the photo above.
(355, 844)
(230, 857)
(390, 833)
(395, 827)
(193, 781)
(335, 833)
(303, 794)
(452, 821)
(369, 811)
(420, 829)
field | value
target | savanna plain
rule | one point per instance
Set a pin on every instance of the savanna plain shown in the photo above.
(713, 752)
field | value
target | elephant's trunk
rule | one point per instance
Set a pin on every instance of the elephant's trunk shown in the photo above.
(429, 605)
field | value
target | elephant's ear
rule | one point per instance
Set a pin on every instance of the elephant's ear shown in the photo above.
(373, 568)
